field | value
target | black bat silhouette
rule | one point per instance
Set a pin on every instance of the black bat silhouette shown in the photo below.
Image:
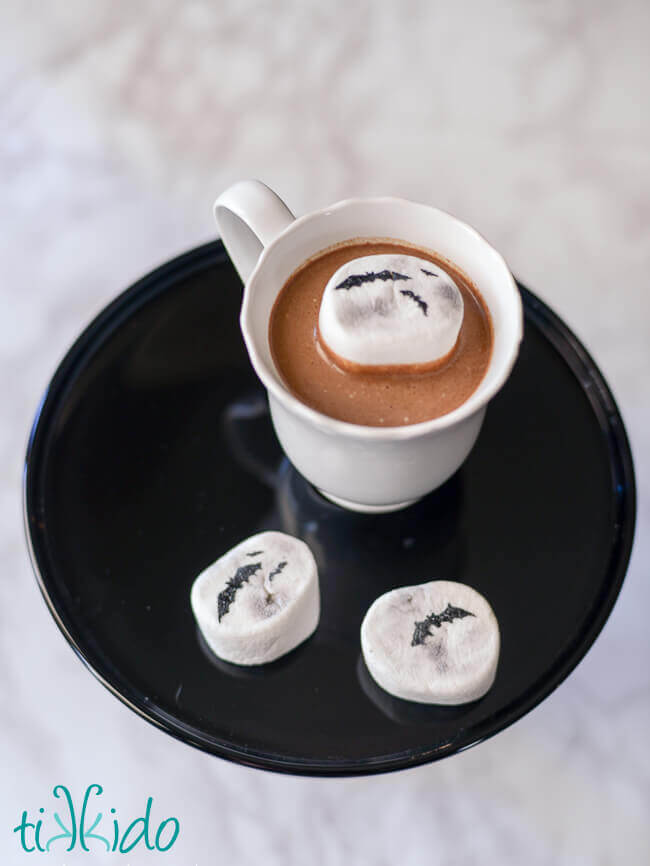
(449, 614)
(428, 273)
(227, 595)
(255, 553)
(370, 277)
(418, 300)
(277, 570)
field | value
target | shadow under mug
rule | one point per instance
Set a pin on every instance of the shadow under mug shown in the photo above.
(368, 469)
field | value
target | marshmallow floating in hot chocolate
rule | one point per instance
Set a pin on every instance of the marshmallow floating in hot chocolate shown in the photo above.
(390, 310)
(259, 600)
(436, 643)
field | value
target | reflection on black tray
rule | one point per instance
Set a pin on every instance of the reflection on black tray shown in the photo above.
(433, 524)
(249, 672)
(410, 712)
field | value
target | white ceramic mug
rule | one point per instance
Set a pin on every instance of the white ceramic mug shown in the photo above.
(369, 469)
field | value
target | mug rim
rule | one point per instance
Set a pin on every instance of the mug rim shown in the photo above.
(474, 403)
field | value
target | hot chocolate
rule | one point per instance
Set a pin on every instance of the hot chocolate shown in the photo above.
(378, 396)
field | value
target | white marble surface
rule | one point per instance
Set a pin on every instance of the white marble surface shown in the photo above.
(119, 122)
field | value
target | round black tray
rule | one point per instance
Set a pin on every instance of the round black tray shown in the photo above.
(152, 453)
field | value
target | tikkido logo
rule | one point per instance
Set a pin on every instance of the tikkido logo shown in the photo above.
(77, 831)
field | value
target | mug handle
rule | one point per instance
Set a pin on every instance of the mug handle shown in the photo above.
(249, 216)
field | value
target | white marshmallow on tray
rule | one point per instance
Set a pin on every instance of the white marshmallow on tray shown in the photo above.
(259, 600)
(435, 643)
(388, 309)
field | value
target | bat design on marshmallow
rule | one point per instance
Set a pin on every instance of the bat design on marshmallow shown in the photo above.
(376, 321)
(250, 613)
(423, 628)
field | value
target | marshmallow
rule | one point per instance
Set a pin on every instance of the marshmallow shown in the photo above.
(436, 643)
(387, 310)
(259, 600)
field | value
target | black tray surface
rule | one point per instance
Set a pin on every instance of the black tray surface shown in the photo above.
(153, 453)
